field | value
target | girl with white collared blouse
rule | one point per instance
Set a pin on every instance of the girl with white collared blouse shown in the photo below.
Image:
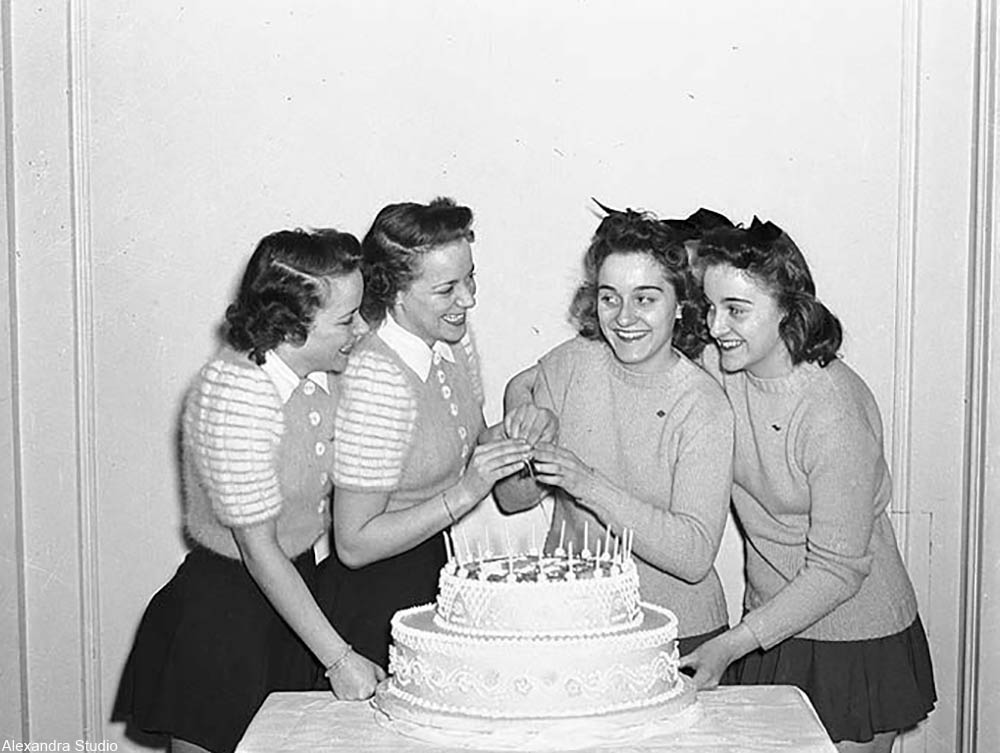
(412, 452)
(240, 618)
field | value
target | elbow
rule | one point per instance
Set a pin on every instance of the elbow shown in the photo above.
(695, 570)
(351, 554)
(512, 498)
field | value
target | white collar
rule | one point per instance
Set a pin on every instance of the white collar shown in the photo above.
(411, 348)
(285, 380)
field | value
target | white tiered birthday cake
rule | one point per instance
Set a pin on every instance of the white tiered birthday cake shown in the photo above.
(525, 651)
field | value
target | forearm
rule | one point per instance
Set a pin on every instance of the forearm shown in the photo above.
(392, 532)
(288, 594)
(680, 531)
(681, 544)
(812, 594)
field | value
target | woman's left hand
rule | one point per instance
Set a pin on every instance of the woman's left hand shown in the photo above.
(531, 423)
(560, 467)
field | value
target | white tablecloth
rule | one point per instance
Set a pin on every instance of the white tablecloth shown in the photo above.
(746, 719)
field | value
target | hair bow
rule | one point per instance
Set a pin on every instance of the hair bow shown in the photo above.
(763, 233)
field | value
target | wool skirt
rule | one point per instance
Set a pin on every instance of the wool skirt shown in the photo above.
(208, 650)
(367, 597)
(858, 688)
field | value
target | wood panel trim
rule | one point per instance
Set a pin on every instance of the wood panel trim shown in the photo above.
(18, 695)
(906, 243)
(86, 404)
(981, 297)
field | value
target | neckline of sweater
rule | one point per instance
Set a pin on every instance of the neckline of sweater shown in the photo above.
(668, 376)
(800, 375)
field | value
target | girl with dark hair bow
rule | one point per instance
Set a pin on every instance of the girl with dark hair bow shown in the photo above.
(240, 617)
(829, 606)
(645, 435)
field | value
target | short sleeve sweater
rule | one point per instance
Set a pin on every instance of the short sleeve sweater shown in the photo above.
(247, 457)
(399, 433)
(811, 488)
(666, 439)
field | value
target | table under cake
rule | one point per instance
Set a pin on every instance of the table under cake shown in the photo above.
(744, 719)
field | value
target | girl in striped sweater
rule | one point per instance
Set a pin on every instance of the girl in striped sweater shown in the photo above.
(412, 452)
(239, 619)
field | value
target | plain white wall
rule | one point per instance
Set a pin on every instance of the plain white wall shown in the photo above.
(211, 128)
(208, 125)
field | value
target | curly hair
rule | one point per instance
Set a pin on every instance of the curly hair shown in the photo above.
(632, 232)
(767, 254)
(283, 286)
(399, 237)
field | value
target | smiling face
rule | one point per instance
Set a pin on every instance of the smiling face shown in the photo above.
(743, 319)
(434, 306)
(636, 310)
(335, 329)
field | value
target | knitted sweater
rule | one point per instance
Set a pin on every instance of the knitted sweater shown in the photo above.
(664, 438)
(811, 488)
(399, 433)
(247, 457)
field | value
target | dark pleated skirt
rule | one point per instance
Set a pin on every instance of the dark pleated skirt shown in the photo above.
(858, 688)
(209, 649)
(366, 598)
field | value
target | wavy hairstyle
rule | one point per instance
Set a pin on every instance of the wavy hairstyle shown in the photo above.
(399, 237)
(283, 286)
(632, 232)
(764, 251)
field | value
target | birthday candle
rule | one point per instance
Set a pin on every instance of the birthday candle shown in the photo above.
(585, 552)
(607, 542)
(447, 547)
(560, 552)
(468, 549)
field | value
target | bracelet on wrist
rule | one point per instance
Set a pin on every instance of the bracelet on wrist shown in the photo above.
(338, 662)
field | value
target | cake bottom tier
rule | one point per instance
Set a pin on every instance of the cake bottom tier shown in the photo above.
(439, 675)
(615, 730)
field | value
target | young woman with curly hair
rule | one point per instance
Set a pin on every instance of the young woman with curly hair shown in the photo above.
(829, 606)
(240, 617)
(645, 435)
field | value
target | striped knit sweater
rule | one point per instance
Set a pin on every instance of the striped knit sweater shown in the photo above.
(249, 458)
(395, 432)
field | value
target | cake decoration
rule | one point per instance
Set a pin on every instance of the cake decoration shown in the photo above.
(536, 651)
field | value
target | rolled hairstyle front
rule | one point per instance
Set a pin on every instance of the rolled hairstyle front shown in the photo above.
(284, 284)
(632, 232)
(399, 237)
(810, 331)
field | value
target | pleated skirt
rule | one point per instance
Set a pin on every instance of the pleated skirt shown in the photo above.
(858, 688)
(208, 650)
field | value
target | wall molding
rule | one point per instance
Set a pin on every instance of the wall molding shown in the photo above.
(84, 365)
(982, 221)
(906, 243)
(20, 696)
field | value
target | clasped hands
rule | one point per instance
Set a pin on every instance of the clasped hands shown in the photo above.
(549, 464)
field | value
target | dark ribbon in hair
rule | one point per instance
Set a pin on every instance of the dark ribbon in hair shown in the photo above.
(614, 212)
(762, 234)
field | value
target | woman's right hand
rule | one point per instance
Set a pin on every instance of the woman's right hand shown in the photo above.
(355, 678)
(490, 462)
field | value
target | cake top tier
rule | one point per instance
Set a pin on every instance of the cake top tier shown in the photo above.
(539, 595)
